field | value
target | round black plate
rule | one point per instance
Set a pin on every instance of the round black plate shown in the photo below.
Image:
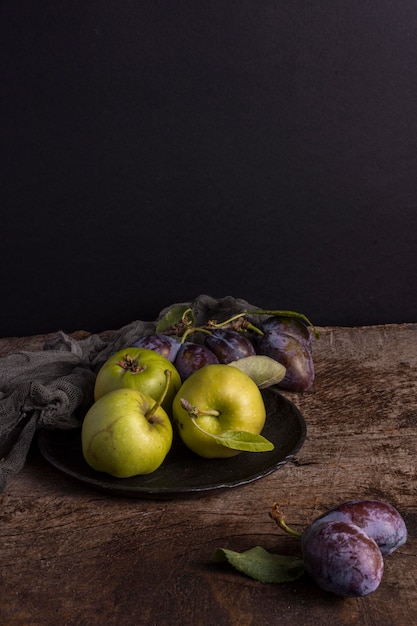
(183, 473)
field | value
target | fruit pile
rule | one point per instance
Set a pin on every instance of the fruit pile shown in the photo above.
(283, 336)
(343, 550)
(206, 380)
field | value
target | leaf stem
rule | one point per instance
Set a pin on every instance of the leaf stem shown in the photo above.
(280, 313)
(194, 329)
(194, 421)
(228, 321)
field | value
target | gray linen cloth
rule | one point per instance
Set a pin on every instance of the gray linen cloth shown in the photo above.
(53, 387)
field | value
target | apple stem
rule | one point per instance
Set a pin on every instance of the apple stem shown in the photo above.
(155, 407)
(194, 411)
(278, 517)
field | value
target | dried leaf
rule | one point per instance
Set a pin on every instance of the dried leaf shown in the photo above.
(263, 370)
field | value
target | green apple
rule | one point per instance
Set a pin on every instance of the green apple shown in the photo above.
(217, 399)
(126, 433)
(140, 369)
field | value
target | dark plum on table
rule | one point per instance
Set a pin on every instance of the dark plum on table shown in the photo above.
(379, 520)
(341, 558)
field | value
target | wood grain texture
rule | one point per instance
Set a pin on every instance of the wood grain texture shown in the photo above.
(71, 555)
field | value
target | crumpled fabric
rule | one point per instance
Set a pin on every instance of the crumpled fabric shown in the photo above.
(53, 387)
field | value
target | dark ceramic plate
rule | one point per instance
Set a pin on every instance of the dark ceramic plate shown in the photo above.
(184, 473)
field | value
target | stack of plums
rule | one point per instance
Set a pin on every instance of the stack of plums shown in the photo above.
(344, 549)
(286, 339)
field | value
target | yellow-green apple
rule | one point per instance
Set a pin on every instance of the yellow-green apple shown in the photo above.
(126, 433)
(140, 369)
(215, 400)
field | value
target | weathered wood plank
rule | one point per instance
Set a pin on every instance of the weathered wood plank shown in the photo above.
(71, 555)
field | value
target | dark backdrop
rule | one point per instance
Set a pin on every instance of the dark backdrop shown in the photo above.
(153, 151)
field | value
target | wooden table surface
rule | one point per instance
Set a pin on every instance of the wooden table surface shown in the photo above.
(74, 555)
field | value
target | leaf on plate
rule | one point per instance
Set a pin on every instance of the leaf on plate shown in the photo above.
(261, 565)
(241, 440)
(263, 370)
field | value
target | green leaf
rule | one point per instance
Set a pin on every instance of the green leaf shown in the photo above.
(173, 316)
(236, 439)
(263, 370)
(241, 440)
(261, 565)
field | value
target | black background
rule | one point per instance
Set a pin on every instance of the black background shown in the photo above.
(153, 151)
